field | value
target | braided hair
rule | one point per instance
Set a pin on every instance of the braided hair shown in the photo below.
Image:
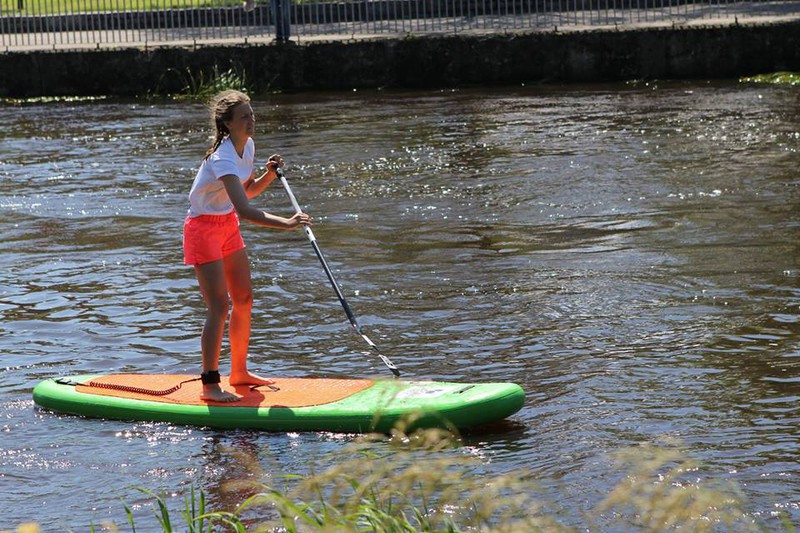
(221, 107)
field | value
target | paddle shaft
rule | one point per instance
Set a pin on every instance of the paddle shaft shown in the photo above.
(349, 312)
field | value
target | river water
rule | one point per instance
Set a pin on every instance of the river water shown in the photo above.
(628, 254)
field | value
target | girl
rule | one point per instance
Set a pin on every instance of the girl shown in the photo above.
(213, 244)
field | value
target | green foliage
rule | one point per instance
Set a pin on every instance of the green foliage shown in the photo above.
(421, 483)
(775, 78)
(194, 514)
(425, 482)
(37, 7)
(201, 85)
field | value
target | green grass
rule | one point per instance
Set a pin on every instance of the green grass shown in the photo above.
(48, 7)
(203, 85)
(200, 85)
(775, 78)
(425, 482)
(194, 515)
(419, 483)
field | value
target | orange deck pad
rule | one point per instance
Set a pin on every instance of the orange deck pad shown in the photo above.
(293, 392)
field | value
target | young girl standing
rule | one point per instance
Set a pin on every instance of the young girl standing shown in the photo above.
(212, 243)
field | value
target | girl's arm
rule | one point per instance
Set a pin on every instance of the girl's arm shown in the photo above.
(239, 198)
(255, 186)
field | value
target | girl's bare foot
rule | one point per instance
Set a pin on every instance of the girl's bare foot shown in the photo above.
(248, 378)
(214, 393)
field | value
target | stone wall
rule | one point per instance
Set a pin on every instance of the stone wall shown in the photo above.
(417, 62)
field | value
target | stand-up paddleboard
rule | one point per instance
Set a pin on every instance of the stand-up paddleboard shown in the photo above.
(290, 404)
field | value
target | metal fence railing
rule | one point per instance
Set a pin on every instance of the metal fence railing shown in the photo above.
(54, 24)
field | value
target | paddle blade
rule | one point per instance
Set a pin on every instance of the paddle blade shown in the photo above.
(372, 345)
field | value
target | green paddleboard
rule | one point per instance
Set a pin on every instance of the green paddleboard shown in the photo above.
(289, 404)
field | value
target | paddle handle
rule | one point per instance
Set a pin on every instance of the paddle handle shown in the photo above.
(313, 240)
(295, 205)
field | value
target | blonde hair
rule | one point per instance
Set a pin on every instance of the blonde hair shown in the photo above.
(221, 108)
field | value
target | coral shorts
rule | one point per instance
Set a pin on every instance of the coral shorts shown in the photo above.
(209, 238)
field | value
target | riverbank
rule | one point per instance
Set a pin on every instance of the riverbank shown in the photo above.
(718, 51)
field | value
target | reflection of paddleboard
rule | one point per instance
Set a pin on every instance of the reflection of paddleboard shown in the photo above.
(291, 404)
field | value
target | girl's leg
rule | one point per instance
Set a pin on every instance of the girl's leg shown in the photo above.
(211, 277)
(237, 274)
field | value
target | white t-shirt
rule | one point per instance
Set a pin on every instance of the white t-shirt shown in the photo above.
(208, 195)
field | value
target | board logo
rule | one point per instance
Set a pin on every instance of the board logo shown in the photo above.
(423, 391)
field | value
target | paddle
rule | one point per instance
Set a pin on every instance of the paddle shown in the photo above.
(350, 316)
